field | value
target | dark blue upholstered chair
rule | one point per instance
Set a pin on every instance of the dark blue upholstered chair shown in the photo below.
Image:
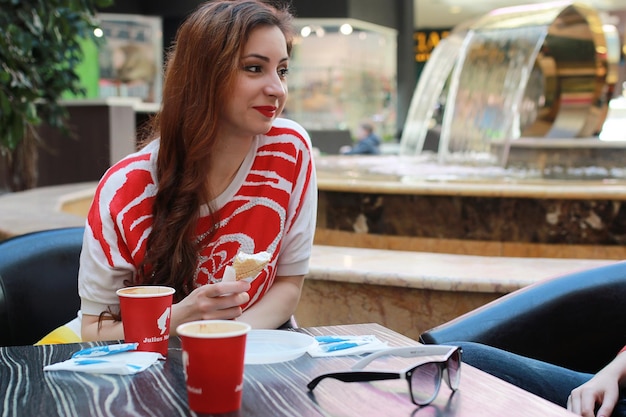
(38, 283)
(577, 320)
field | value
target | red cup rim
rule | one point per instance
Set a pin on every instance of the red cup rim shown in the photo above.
(163, 291)
(182, 331)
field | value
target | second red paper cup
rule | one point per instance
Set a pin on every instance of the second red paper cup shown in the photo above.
(213, 360)
(146, 313)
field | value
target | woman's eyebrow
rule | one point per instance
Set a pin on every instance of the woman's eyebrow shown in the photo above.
(263, 57)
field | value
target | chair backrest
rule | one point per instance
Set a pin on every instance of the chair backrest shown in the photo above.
(38, 283)
(575, 320)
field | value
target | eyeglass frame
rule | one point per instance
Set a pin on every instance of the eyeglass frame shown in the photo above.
(356, 374)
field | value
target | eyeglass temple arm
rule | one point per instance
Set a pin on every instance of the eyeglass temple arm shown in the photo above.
(406, 352)
(354, 377)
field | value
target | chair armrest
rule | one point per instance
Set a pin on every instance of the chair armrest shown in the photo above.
(575, 320)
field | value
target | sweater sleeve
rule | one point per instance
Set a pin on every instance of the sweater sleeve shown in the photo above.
(118, 224)
(302, 212)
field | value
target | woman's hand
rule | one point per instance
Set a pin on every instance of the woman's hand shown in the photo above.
(219, 301)
(602, 389)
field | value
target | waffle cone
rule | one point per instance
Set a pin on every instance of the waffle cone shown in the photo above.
(249, 265)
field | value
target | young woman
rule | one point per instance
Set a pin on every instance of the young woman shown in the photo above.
(222, 174)
(588, 395)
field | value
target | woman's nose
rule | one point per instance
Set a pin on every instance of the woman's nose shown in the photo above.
(275, 86)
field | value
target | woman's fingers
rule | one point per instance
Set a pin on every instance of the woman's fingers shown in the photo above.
(583, 402)
(217, 301)
(208, 303)
(222, 288)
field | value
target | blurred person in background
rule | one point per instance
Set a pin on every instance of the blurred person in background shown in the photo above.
(368, 142)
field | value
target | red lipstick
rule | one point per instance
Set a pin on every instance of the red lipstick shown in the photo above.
(267, 111)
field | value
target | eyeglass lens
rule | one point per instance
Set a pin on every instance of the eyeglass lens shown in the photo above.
(425, 381)
(426, 378)
(452, 368)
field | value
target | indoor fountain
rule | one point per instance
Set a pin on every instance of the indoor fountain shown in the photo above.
(503, 151)
(506, 169)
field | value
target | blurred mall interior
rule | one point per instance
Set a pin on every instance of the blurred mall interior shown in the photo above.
(369, 73)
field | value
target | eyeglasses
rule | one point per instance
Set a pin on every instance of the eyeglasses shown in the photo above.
(424, 379)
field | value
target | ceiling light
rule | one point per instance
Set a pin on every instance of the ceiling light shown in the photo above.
(305, 31)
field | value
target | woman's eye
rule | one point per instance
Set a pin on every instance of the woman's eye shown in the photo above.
(257, 69)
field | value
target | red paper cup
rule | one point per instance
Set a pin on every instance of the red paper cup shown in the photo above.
(213, 360)
(146, 313)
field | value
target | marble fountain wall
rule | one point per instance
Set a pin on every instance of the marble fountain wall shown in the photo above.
(441, 247)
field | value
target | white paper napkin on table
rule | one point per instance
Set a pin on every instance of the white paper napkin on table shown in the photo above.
(120, 362)
(346, 345)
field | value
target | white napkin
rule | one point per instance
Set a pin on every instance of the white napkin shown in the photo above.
(346, 345)
(230, 275)
(119, 362)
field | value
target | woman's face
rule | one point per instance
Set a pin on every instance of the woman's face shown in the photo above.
(260, 88)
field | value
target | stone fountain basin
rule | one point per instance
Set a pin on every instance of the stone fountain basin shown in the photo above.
(530, 161)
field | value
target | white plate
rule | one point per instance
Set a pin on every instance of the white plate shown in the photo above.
(272, 346)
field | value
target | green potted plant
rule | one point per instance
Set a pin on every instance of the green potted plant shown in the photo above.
(40, 48)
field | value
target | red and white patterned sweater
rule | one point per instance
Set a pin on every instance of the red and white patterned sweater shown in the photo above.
(270, 206)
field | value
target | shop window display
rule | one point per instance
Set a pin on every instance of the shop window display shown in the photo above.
(343, 71)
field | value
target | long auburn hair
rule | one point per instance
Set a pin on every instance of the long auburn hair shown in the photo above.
(201, 68)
